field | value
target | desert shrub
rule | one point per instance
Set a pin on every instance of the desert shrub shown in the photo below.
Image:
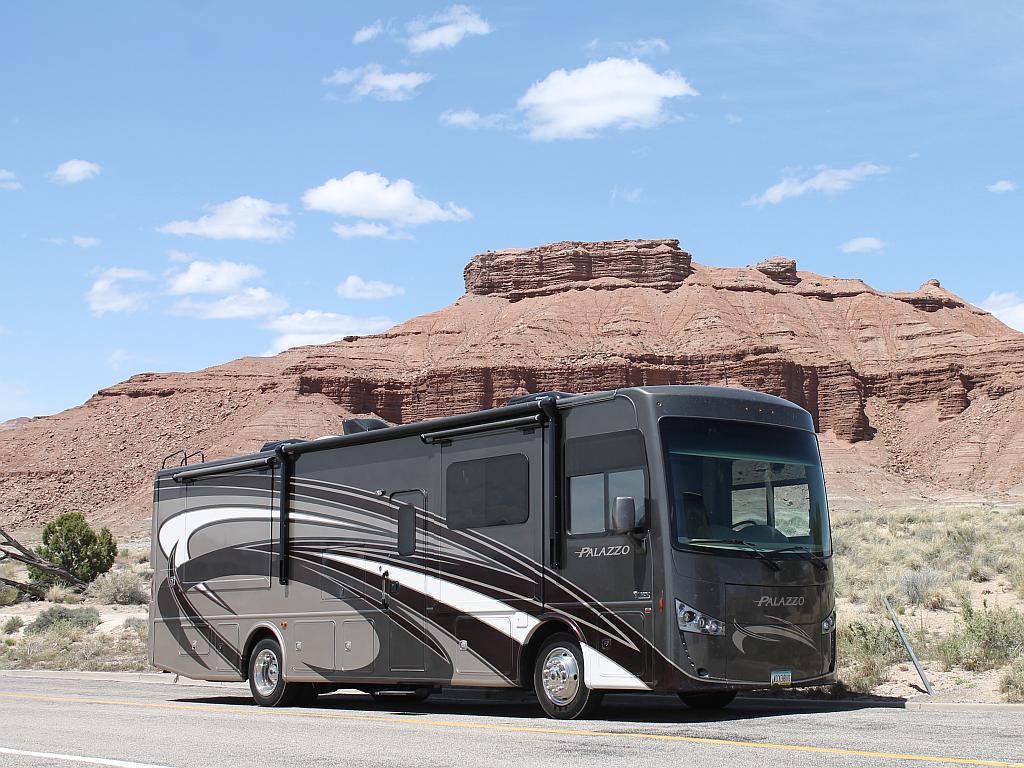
(923, 586)
(72, 544)
(866, 649)
(120, 586)
(139, 626)
(63, 646)
(12, 625)
(8, 596)
(984, 638)
(79, 618)
(1012, 684)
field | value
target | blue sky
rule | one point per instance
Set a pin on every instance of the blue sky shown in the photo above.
(185, 183)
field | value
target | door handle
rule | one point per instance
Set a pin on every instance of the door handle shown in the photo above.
(384, 589)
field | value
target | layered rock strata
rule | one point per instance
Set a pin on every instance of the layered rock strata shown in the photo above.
(914, 389)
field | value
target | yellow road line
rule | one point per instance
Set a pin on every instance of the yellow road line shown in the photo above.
(512, 728)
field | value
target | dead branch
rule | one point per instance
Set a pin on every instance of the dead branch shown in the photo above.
(11, 548)
(28, 589)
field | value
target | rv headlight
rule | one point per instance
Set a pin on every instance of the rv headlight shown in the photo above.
(829, 624)
(692, 620)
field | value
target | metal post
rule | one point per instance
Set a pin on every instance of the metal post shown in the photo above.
(906, 644)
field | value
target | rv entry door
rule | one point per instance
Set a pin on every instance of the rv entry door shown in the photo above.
(491, 548)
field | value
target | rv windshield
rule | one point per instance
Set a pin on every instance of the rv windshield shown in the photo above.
(742, 486)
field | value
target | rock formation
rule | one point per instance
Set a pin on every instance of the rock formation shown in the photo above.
(914, 393)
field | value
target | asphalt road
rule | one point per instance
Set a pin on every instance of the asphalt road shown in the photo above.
(61, 722)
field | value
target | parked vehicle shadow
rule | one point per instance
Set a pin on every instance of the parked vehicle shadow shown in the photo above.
(615, 708)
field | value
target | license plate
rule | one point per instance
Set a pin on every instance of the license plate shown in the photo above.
(782, 677)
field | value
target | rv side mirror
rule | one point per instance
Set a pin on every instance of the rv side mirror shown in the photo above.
(406, 530)
(624, 515)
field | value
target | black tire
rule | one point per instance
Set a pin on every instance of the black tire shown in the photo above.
(708, 701)
(266, 677)
(558, 680)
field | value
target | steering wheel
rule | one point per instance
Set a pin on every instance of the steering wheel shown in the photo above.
(743, 524)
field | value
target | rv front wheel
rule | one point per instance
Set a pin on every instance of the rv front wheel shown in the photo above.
(558, 680)
(266, 676)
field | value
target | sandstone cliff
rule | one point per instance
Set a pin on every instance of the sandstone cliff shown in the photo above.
(914, 393)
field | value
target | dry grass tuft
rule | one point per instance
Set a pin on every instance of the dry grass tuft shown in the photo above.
(58, 593)
(1012, 684)
(923, 586)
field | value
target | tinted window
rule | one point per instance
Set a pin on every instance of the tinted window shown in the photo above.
(758, 484)
(601, 468)
(586, 504)
(491, 491)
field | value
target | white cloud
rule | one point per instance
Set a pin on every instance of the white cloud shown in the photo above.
(375, 199)
(1008, 306)
(1001, 186)
(107, 294)
(372, 80)
(446, 29)
(74, 171)
(827, 180)
(366, 229)
(9, 180)
(649, 46)
(119, 358)
(244, 218)
(862, 245)
(579, 103)
(247, 303)
(468, 118)
(180, 256)
(627, 194)
(732, 119)
(85, 242)
(315, 327)
(354, 287)
(366, 34)
(209, 277)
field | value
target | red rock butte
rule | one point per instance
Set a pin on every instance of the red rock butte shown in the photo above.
(916, 394)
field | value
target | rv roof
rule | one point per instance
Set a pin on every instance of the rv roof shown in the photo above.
(526, 407)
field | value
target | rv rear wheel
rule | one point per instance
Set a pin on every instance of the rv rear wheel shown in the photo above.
(266, 678)
(715, 700)
(558, 680)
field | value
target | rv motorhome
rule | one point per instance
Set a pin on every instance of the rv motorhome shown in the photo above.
(671, 538)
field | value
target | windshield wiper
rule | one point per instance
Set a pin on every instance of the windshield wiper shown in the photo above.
(750, 549)
(806, 554)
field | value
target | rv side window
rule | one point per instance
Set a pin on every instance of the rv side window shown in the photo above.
(491, 491)
(601, 468)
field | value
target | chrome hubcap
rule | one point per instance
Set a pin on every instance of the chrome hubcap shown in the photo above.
(265, 672)
(561, 676)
